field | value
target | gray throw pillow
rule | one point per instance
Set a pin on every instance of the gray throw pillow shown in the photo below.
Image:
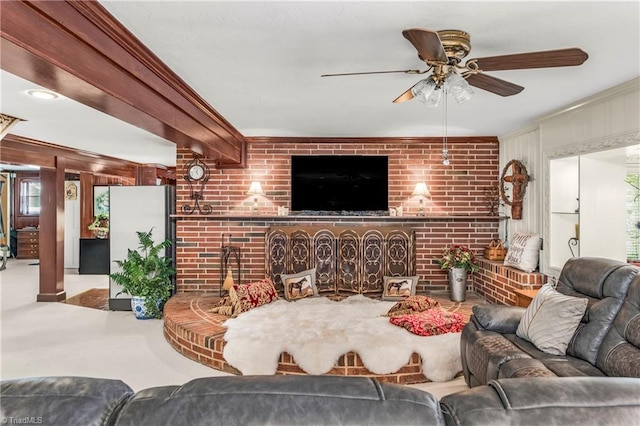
(551, 319)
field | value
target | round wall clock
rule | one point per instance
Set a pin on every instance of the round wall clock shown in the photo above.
(197, 175)
(196, 171)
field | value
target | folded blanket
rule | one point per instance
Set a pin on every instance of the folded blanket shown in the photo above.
(431, 322)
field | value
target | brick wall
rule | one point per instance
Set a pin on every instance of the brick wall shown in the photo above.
(497, 282)
(456, 210)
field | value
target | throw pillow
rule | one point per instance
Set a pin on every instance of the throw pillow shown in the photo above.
(551, 319)
(398, 288)
(524, 251)
(412, 304)
(431, 322)
(223, 307)
(248, 296)
(300, 285)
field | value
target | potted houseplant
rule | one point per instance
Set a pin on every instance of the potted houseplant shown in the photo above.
(100, 225)
(458, 260)
(146, 275)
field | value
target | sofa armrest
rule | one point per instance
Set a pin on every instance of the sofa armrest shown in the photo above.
(498, 318)
(64, 400)
(538, 401)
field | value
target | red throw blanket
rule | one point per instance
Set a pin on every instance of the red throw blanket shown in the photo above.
(430, 322)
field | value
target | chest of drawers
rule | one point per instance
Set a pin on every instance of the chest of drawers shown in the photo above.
(28, 244)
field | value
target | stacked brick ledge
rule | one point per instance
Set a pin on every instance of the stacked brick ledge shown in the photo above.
(497, 282)
(198, 334)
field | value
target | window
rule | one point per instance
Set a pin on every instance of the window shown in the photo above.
(30, 197)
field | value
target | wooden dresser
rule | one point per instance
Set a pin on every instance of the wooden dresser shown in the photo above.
(28, 244)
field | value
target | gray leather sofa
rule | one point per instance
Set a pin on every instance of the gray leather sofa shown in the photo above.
(317, 400)
(606, 343)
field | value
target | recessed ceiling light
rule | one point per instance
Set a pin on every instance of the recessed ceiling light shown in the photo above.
(43, 94)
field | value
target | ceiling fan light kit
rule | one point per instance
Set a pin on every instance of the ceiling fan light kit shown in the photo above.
(429, 92)
(443, 52)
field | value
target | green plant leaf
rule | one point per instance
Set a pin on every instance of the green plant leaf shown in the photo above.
(146, 272)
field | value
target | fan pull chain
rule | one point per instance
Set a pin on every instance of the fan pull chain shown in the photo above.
(445, 150)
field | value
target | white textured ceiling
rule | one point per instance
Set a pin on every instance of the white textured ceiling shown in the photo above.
(259, 63)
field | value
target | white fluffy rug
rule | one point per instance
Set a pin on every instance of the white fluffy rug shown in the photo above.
(317, 331)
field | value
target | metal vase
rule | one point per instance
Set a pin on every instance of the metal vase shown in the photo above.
(457, 284)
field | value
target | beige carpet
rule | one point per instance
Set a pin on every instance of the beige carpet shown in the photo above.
(53, 339)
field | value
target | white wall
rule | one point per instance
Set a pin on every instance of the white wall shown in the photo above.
(603, 213)
(607, 120)
(523, 146)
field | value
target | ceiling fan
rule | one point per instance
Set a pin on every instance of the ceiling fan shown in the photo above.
(443, 52)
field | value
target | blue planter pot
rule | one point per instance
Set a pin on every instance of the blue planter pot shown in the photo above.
(138, 308)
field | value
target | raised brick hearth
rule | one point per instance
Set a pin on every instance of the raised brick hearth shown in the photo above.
(199, 335)
(497, 282)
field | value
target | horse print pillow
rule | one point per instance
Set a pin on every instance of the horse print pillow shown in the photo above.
(398, 288)
(300, 285)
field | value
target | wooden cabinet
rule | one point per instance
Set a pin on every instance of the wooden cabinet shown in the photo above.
(28, 244)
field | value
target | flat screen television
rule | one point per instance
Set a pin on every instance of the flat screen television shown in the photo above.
(339, 183)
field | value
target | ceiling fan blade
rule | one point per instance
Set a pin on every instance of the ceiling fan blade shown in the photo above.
(406, 96)
(374, 72)
(545, 59)
(427, 43)
(494, 85)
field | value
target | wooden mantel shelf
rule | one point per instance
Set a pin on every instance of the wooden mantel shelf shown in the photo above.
(329, 218)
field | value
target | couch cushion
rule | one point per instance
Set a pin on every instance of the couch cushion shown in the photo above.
(524, 367)
(284, 400)
(498, 318)
(551, 319)
(619, 354)
(546, 401)
(604, 282)
(486, 352)
(64, 400)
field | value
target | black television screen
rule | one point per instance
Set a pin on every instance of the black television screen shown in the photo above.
(339, 182)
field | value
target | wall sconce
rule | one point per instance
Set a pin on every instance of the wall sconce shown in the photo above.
(421, 191)
(255, 189)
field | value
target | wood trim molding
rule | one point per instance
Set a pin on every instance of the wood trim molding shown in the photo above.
(92, 58)
(20, 150)
(367, 140)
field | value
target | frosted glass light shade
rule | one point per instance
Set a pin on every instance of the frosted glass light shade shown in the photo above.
(421, 190)
(427, 92)
(459, 88)
(255, 189)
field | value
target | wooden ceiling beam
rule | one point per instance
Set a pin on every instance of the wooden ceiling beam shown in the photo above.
(20, 150)
(81, 51)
